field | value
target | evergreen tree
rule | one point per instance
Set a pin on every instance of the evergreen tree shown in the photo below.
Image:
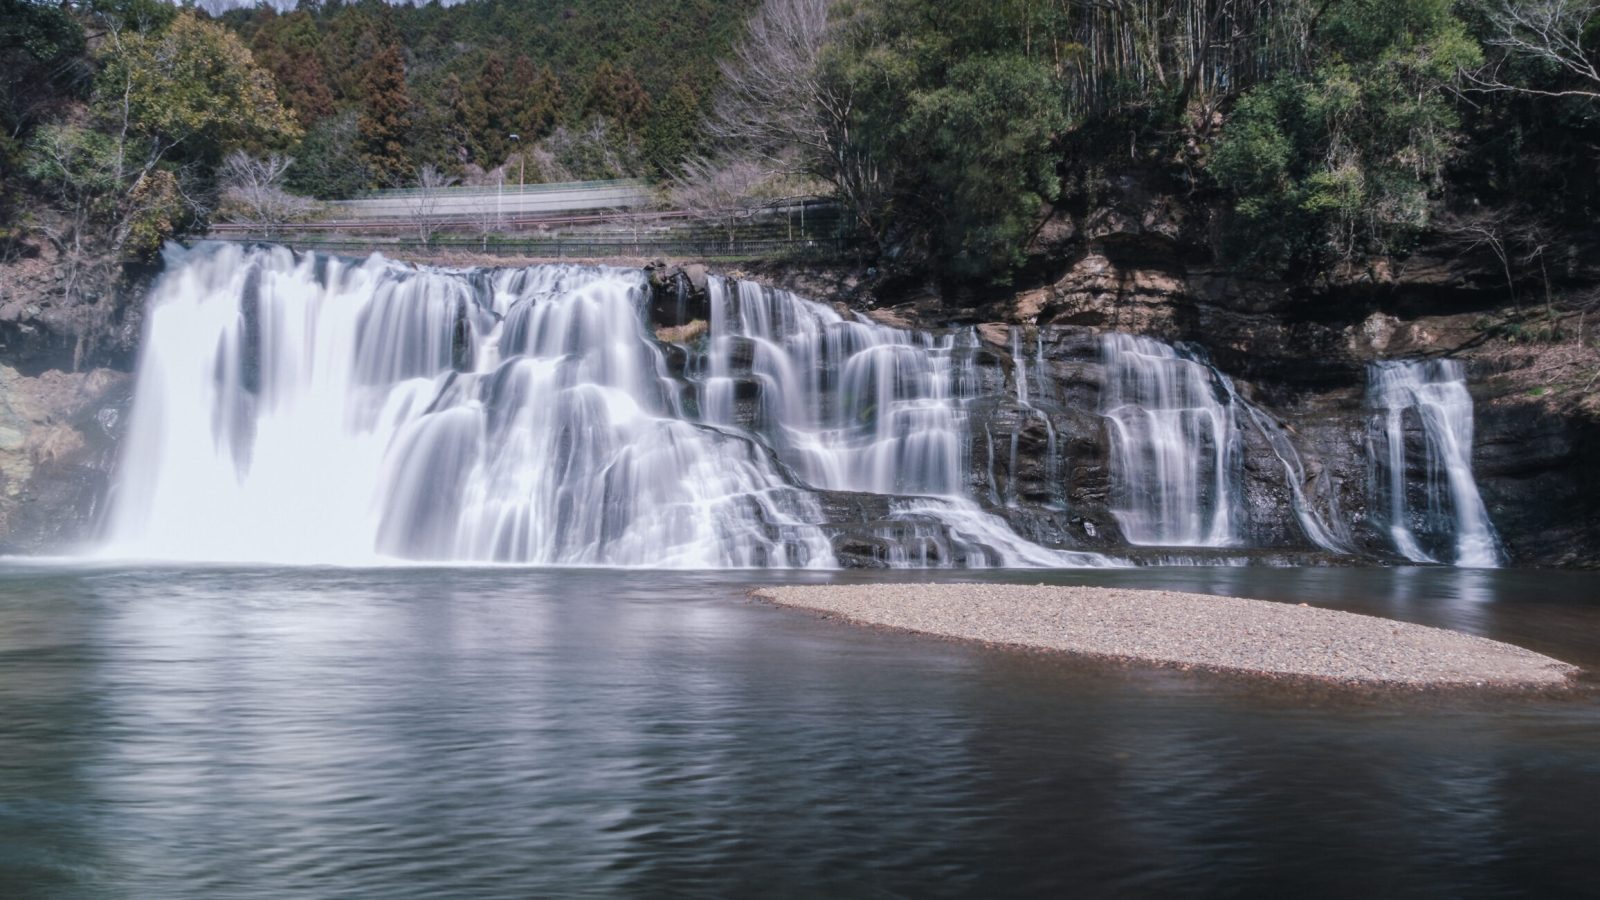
(489, 112)
(617, 95)
(290, 47)
(1344, 157)
(672, 133)
(385, 109)
(537, 99)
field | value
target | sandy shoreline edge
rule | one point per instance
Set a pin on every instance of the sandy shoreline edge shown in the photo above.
(1225, 634)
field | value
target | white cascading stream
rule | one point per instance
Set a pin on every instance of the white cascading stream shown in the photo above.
(1175, 450)
(1033, 384)
(1452, 513)
(307, 409)
(851, 405)
(1330, 533)
(303, 409)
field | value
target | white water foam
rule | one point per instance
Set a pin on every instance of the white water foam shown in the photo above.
(1452, 516)
(303, 409)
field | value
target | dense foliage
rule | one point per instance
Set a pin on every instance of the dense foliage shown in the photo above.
(1321, 131)
(119, 117)
(959, 107)
(1324, 129)
(1344, 155)
(593, 90)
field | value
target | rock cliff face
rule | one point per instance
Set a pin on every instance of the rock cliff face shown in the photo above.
(67, 345)
(1295, 354)
(1299, 352)
(58, 434)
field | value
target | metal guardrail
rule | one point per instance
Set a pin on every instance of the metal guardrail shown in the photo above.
(475, 204)
(577, 247)
(508, 189)
(807, 215)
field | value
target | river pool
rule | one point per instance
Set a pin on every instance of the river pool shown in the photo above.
(277, 732)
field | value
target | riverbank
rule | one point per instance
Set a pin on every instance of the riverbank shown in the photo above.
(1225, 634)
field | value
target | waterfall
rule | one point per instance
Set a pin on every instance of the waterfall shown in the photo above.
(852, 405)
(307, 409)
(300, 408)
(1450, 518)
(1040, 388)
(1175, 449)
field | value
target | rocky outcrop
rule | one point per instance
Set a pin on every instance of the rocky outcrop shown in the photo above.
(53, 316)
(68, 337)
(1538, 441)
(58, 436)
(1141, 261)
(1298, 353)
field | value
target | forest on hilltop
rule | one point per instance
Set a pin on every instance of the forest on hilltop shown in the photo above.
(601, 89)
(1322, 131)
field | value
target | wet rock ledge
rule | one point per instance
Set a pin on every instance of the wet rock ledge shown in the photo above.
(1225, 634)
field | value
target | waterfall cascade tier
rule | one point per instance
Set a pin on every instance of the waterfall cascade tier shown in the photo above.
(1175, 445)
(296, 408)
(1422, 418)
(305, 409)
(852, 405)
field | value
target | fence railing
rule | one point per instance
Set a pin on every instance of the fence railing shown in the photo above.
(574, 246)
(509, 189)
(808, 216)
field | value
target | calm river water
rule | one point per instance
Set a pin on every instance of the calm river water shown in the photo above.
(182, 733)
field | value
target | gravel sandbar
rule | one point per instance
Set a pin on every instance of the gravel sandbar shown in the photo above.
(1198, 630)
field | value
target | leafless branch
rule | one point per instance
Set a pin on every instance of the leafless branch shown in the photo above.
(430, 188)
(253, 194)
(1547, 31)
(720, 192)
(777, 106)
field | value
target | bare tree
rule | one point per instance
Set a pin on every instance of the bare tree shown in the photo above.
(253, 193)
(1518, 240)
(720, 192)
(426, 199)
(487, 216)
(776, 100)
(595, 150)
(639, 219)
(1547, 31)
(773, 85)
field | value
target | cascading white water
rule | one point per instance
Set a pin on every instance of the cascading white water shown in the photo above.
(1032, 384)
(852, 405)
(1331, 533)
(1452, 517)
(1175, 449)
(304, 409)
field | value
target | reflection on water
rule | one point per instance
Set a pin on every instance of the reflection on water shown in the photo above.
(422, 733)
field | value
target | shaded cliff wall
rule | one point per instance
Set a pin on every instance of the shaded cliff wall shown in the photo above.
(66, 354)
(1143, 262)
(1139, 264)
